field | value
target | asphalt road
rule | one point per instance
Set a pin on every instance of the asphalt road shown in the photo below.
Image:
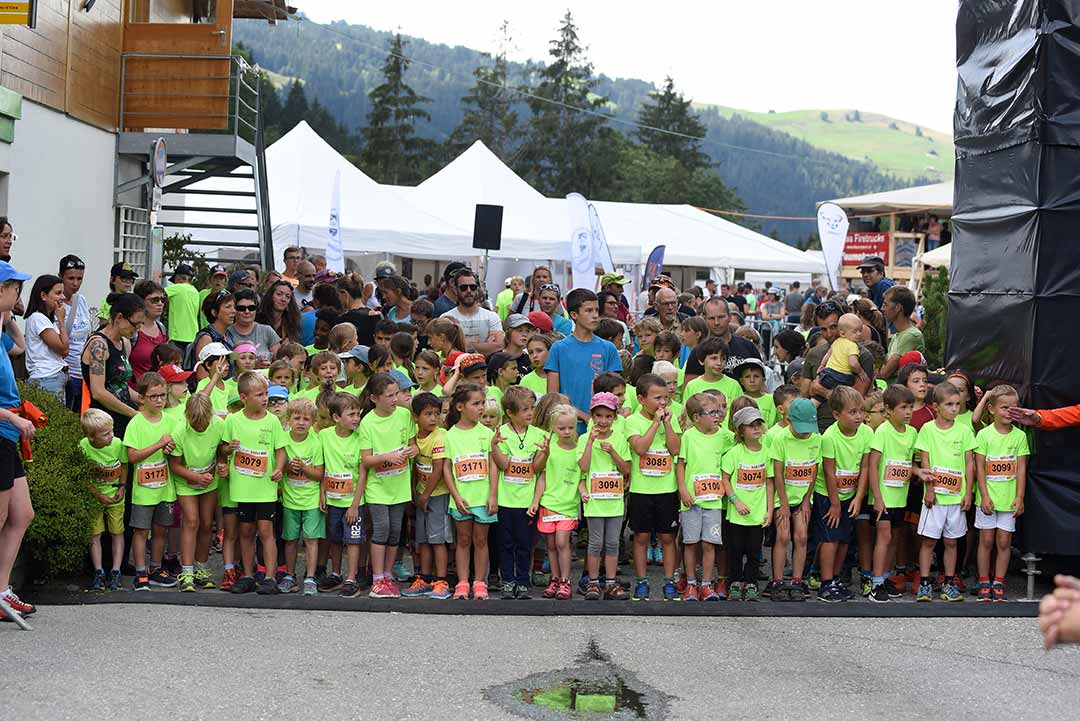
(162, 662)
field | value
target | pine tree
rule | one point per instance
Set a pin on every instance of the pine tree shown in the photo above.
(669, 110)
(296, 107)
(565, 150)
(392, 151)
(489, 110)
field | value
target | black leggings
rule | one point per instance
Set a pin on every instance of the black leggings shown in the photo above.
(743, 541)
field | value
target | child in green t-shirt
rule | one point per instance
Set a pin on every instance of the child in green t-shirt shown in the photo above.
(431, 529)
(751, 376)
(1001, 467)
(748, 487)
(873, 417)
(301, 495)
(108, 486)
(782, 399)
(556, 498)
(538, 348)
(713, 353)
(342, 492)
(427, 373)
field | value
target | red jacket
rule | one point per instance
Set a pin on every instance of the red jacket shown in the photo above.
(1054, 418)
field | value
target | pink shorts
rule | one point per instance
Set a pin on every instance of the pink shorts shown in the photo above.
(557, 521)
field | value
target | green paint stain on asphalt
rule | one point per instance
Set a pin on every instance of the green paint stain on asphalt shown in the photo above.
(587, 699)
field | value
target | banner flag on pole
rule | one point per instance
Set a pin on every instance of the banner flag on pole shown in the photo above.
(832, 223)
(582, 262)
(335, 252)
(654, 265)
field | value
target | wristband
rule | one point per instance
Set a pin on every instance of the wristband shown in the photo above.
(733, 497)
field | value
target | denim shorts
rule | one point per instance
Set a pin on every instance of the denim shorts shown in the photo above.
(338, 531)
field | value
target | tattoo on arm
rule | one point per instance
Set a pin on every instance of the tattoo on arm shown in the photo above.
(98, 355)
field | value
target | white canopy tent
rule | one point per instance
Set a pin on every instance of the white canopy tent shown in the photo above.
(936, 198)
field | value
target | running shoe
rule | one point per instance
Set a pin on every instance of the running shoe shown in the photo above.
(461, 590)
(310, 587)
(641, 591)
(982, 591)
(593, 593)
(958, 581)
(288, 584)
(114, 579)
(721, 588)
(440, 590)
(866, 586)
(141, 582)
(880, 594)
(229, 579)
(203, 579)
(767, 591)
(681, 583)
(615, 592)
(552, 589)
(998, 591)
(244, 584)
(583, 585)
(383, 589)
(894, 589)
(331, 583)
(832, 592)
(508, 591)
(268, 587)
(925, 592)
(949, 592)
(691, 592)
(814, 582)
(97, 583)
(399, 572)
(670, 594)
(522, 592)
(187, 582)
(735, 591)
(349, 589)
(538, 579)
(798, 591)
(564, 592)
(707, 593)
(750, 592)
(480, 590)
(417, 589)
(162, 578)
(19, 606)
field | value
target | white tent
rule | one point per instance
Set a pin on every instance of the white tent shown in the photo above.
(939, 257)
(936, 198)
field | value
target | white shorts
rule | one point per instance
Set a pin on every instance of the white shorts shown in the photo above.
(940, 521)
(1005, 520)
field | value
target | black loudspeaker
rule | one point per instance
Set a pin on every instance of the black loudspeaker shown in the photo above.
(487, 227)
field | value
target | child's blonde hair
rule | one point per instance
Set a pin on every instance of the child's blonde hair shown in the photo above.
(492, 408)
(321, 358)
(250, 381)
(648, 325)
(544, 406)
(557, 412)
(199, 411)
(996, 393)
(342, 338)
(302, 406)
(664, 369)
(873, 398)
(95, 420)
(745, 331)
(278, 366)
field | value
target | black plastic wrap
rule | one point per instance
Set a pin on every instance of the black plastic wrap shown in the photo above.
(1014, 300)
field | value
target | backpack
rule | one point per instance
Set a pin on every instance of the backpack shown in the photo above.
(189, 355)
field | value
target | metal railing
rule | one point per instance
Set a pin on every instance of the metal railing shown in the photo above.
(200, 93)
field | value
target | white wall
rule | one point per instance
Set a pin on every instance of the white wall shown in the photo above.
(60, 195)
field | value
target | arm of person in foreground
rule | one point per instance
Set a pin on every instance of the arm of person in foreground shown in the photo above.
(1050, 419)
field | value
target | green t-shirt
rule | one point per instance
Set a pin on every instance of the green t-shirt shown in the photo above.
(562, 479)
(534, 383)
(503, 301)
(1000, 454)
(388, 483)
(632, 401)
(496, 393)
(726, 385)
(176, 413)
(847, 453)
(905, 340)
(517, 483)
(252, 464)
(703, 453)
(199, 452)
(767, 407)
(298, 491)
(104, 309)
(309, 393)
(151, 480)
(202, 299)
(800, 458)
(773, 433)
(893, 473)
(219, 397)
(341, 466)
(607, 487)
(881, 384)
(966, 418)
(654, 472)
(183, 312)
(947, 450)
(435, 390)
(469, 452)
(108, 465)
(747, 471)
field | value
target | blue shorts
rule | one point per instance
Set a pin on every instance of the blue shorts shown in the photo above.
(338, 531)
(476, 513)
(822, 532)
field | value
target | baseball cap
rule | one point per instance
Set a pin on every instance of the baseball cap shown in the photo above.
(746, 416)
(541, 321)
(609, 278)
(238, 276)
(173, 373)
(386, 271)
(497, 360)
(404, 382)
(802, 415)
(123, 270)
(278, 392)
(603, 399)
(359, 352)
(470, 363)
(912, 356)
(214, 350)
(183, 269)
(872, 261)
(745, 363)
(8, 272)
(218, 270)
(452, 268)
(71, 262)
(245, 348)
(516, 320)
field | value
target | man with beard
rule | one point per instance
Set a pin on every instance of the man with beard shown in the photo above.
(481, 327)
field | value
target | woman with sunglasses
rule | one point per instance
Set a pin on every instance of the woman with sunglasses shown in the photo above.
(245, 329)
(79, 324)
(152, 332)
(220, 310)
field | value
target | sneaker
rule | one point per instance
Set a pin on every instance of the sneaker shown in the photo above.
(982, 591)
(332, 582)
(893, 588)
(707, 593)
(949, 592)
(669, 592)
(114, 580)
(268, 587)
(141, 582)
(417, 589)
(203, 579)
(288, 584)
(508, 590)
(97, 583)
(19, 606)
(691, 592)
(480, 590)
(310, 587)
(721, 588)
(187, 582)
(680, 583)
(552, 589)
(798, 591)
(958, 581)
(564, 592)
(349, 589)
(162, 578)
(461, 590)
(750, 592)
(244, 584)
(998, 591)
(173, 566)
(615, 592)
(280, 575)
(229, 579)
(767, 591)
(880, 594)
(384, 588)
(399, 572)
(735, 591)
(846, 592)
(440, 590)
(925, 592)
(832, 593)
(538, 579)
(521, 592)
(641, 591)
(593, 593)
(866, 586)
(814, 582)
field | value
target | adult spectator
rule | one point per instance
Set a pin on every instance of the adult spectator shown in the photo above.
(666, 303)
(121, 279)
(738, 297)
(710, 288)
(898, 308)
(612, 308)
(448, 298)
(789, 347)
(771, 309)
(481, 327)
(872, 270)
(220, 311)
(245, 329)
(827, 316)
(326, 296)
(793, 302)
(717, 316)
(528, 300)
(933, 233)
(152, 332)
(7, 238)
(751, 299)
(550, 298)
(219, 277)
(818, 296)
(576, 360)
(873, 320)
(264, 283)
(105, 365)
(239, 280)
(398, 296)
(305, 284)
(183, 302)
(278, 310)
(351, 293)
(806, 319)
(16, 510)
(1048, 419)
(292, 257)
(46, 335)
(78, 324)
(319, 261)
(614, 283)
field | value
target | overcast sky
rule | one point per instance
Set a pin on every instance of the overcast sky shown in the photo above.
(886, 57)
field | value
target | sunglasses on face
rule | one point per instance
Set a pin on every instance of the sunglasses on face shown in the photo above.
(246, 308)
(155, 299)
(468, 286)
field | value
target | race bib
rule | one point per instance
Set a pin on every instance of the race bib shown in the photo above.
(423, 475)
(340, 486)
(948, 481)
(897, 474)
(519, 471)
(846, 481)
(209, 469)
(1000, 469)
(605, 486)
(551, 517)
(471, 467)
(387, 469)
(800, 474)
(297, 479)
(249, 462)
(750, 477)
(655, 463)
(708, 487)
(221, 413)
(152, 475)
(108, 474)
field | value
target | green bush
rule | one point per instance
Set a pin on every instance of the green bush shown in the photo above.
(935, 307)
(63, 506)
